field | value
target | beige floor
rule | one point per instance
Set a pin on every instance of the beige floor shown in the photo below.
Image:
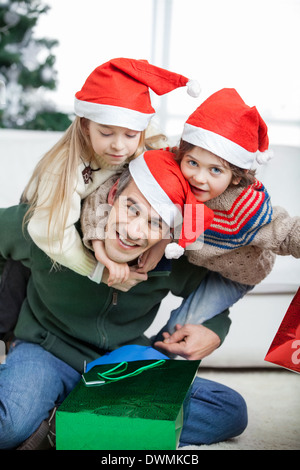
(273, 400)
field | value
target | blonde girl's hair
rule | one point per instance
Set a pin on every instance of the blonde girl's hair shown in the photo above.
(62, 161)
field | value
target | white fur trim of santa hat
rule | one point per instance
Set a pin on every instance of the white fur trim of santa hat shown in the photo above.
(112, 115)
(154, 193)
(225, 148)
(218, 145)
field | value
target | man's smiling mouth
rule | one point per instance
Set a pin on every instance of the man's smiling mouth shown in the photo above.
(126, 242)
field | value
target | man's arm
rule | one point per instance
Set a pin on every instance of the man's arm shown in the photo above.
(194, 339)
(15, 242)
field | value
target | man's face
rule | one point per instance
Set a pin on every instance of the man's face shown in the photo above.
(133, 226)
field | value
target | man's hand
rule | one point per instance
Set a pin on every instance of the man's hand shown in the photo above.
(133, 279)
(193, 342)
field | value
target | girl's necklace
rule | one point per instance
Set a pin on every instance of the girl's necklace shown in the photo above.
(87, 172)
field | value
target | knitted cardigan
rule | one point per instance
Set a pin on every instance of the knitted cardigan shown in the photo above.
(242, 241)
(94, 213)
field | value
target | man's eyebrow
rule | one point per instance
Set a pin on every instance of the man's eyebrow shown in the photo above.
(139, 205)
(136, 203)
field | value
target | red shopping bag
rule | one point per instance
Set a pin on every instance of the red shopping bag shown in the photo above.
(285, 348)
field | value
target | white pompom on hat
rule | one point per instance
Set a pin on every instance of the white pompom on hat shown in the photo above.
(227, 127)
(117, 92)
(159, 178)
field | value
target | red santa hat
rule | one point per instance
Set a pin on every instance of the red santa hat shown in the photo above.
(227, 127)
(117, 92)
(160, 180)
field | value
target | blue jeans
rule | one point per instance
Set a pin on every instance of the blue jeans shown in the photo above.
(214, 295)
(33, 381)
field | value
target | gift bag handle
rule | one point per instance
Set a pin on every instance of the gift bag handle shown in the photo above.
(109, 375)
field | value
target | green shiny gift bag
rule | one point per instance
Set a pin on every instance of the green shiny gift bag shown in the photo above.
(127, 406)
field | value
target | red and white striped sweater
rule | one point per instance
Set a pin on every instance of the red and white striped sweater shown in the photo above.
(245, 235)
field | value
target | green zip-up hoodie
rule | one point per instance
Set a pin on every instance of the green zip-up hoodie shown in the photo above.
(78, 320)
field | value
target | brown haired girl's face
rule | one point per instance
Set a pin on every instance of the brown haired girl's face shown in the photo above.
(207, 175)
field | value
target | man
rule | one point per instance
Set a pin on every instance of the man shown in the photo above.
(66, 320)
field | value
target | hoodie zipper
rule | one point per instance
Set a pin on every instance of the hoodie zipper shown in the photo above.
(115, 298)
(113, 302)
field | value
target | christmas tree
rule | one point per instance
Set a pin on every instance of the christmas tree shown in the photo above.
(26, 69)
